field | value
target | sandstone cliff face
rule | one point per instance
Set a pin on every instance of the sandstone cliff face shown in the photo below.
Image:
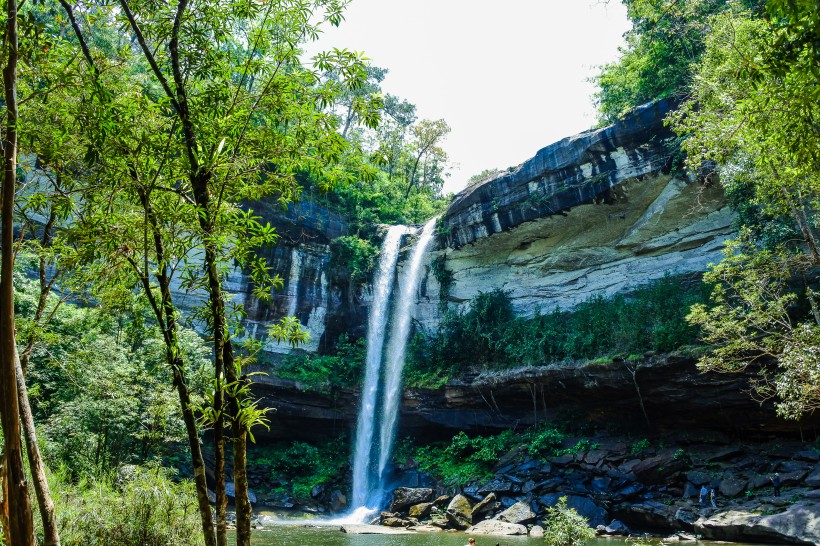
(597, 213)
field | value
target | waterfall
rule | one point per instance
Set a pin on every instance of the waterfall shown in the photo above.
(382, 287)
(368, 477)
(397, 344)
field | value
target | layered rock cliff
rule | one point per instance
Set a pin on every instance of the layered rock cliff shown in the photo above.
(596, 213)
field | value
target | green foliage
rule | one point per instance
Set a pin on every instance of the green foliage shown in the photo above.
(99, 387)
(303, 465)
(752, 318)
(143, 506)
(651, 318)
(563, 526)
(353, 258)
(465, 458)
(545, 442)
(326, 372)
(639, 446)
(666, 38)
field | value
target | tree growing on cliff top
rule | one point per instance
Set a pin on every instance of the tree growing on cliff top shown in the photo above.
(756, 117)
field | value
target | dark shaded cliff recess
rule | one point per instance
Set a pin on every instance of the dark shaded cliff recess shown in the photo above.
(658, 394)
(580, 169)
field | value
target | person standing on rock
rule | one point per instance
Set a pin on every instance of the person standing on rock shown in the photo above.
(712, 497)
(471, 542)
(776, 484)
(703, 493)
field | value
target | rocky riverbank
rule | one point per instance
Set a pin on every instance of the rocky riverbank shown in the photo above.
(634, 489)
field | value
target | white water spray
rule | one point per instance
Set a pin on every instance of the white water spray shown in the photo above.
(397, 344)
(382, 288)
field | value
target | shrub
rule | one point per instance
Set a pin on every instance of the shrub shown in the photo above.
(144, 507)
(304, 465)
(545, 442)
(324, 372)
(465, 458)
(565, 527)
(640, 446)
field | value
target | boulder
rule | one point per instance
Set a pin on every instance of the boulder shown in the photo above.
(656, 470)
(732, 486)
(459, 512)
(520, 512)
(813, 479)
(405, 497)
(487, 504)
(359, 529)
(616, 527)
(698, 478)
(395, 522)
(496, 486)
(338, 500)
(536, 531)
(596, 515)
(497, 528)
(420, 510)
(799, 524)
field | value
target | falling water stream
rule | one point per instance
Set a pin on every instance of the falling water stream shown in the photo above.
(382, 383)
(382, 288)
(397, 345)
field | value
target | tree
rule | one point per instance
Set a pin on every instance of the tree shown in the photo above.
(240, 117)
(19, 527)
(665, 42)
(424, 147)
(755, 118)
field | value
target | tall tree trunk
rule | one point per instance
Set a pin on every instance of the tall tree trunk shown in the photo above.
(165, 313)
(219, 464)
(244, 511)
(20, 531)
(51, 535)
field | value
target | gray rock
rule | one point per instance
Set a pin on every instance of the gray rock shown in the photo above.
(405, 497)
(396, 522)
(372, 530)
(497, 528)
(616, 527)
(338, 500)
(813, 479)
(732, 486)
(799, 524)
(595, 514)
(420, 510)
(520, 512)
(536, 531)
(487, 504)
(698, 478)
(317, 491)
(496, 486)
(459, 512)
(808, 455)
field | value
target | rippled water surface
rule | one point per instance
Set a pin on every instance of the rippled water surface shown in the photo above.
(299, 535)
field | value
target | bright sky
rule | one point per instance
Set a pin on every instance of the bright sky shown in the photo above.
(509, 77)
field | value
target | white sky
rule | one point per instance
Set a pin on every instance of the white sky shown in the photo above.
(509, 77)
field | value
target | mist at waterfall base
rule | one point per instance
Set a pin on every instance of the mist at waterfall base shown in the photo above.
(383, 369)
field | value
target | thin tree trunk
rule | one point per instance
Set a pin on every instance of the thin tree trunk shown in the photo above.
(166, 316)
(219, 464)
(51, 535)
(244, 511)
(20, 530)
